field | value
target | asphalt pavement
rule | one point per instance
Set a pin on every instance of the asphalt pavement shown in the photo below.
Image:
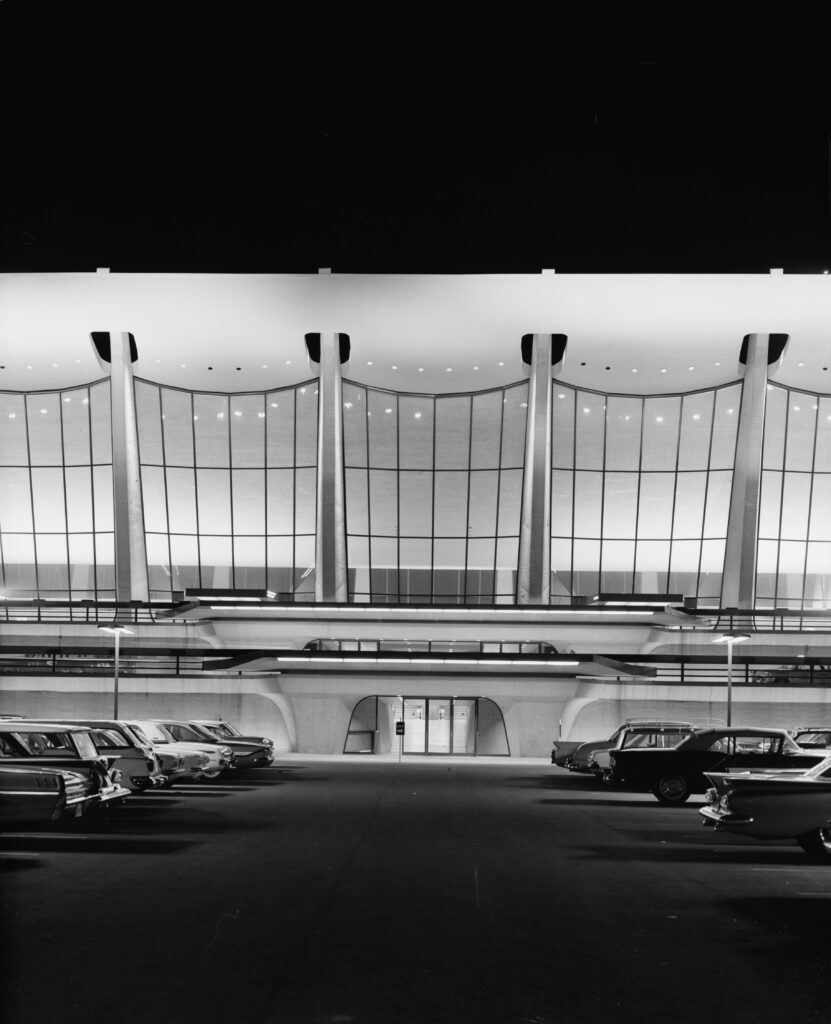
(352, 891)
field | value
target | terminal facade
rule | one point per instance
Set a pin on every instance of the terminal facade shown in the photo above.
(535, 547)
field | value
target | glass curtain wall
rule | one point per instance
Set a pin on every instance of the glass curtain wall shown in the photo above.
(793, 568)
(433, 494)
(229, 489)
(56, 494)
(640, 492)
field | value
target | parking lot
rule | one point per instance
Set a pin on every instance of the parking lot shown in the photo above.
(352, 890)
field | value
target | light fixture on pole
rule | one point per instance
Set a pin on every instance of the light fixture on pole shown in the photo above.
(116, 628)
(730, 639)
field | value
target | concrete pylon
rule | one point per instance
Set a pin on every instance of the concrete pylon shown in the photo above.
(759, 353)
(116, 351)
(541, 352)
(331, 583)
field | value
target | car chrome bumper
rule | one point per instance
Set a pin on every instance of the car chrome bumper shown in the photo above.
(721, 819)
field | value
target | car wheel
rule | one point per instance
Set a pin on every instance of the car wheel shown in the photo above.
(817, 843)
(213, 774)
(672, 789)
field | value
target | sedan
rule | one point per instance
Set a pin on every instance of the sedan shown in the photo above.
(673, 775)
(245, 754)
(36, 795)
(793, 805)
(71, 747)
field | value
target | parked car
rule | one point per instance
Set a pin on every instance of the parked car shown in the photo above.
(219, 755)
(673, 775)
(578, 759)
(71, 747)
(226, 731)
(813, 737)
(36, 795)
(139, 766)
(245, 754)
(792, 805)
(647, 736)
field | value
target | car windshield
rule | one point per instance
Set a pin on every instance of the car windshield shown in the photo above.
(189, 733)
(108, 739)
(203, 733)
(223, 729)
(815, 738)
(156, 733)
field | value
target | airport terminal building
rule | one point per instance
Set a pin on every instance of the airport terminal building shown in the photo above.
(391, 514)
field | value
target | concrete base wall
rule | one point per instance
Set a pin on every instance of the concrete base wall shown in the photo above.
(311, 713)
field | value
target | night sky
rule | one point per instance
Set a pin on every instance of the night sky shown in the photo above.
(397, 141)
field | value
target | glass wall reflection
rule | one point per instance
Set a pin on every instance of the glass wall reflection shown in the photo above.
(56, 506)
(793, 568)
(433, 494)
(641, 492)
(228, 485)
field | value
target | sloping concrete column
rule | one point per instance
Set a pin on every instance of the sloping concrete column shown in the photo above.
(540, 352)
(330, 537)
(117, 350)
(758, 353)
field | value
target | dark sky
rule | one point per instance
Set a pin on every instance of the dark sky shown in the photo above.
(396, 141)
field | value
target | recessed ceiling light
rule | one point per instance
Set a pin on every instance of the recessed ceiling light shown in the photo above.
(67, 399)
(691, 368)
(44, 411)
(697, 416)
(501, 363)
(417, 415)
(475, 367)
(729, 412)
(302, 391)
(718, 364)
(288, 362)
(274, 405)
(626, 418)
(634, 369)
(77, 360)
(183, 366)
(158, 360)
(220, 415)
(196, 416)
(265, 366)
(421, 369)
(55, 364)
(387, 411)
(561, 395)
(369, 362)
(395, 367)
(586, 409)
(798, 364)
(663, 369)
(13, 416)
(261, 415)
(28, 367)
(659, 419)
(347, 405)
(796, 408)
(237, 412)
(449, 369)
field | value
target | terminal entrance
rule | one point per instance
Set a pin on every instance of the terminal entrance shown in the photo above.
(449, 726)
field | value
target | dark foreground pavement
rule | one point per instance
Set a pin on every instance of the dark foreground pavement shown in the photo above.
(324, 892)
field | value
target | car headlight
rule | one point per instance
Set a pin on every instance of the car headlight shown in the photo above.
(226, 752)
(203, 761)
(267, 741)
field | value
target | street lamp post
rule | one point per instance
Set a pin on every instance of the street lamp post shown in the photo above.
(116, 629)
(730, 639)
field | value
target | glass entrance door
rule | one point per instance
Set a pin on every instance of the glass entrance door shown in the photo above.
(415, 732)
(439, 725)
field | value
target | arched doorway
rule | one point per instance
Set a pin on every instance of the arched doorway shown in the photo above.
(449, 726)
